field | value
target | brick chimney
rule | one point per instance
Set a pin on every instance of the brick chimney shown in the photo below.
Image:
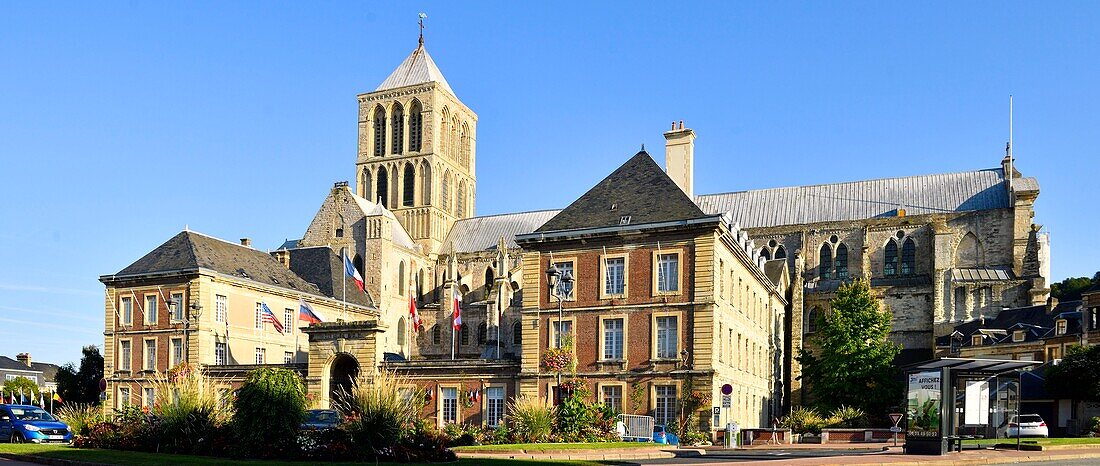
(246, 242)
(680, 157)
(24, 358)
(283, 256)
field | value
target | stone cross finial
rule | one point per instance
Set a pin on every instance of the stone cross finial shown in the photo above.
(422, 16)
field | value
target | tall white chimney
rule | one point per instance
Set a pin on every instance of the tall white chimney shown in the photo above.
(680, 157)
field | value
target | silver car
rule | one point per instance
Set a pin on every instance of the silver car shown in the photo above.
(1027, 425)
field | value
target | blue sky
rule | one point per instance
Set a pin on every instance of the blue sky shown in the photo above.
(121, 123)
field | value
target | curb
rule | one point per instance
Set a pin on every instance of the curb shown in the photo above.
(48, 461)
(591, 456)
(986, 460)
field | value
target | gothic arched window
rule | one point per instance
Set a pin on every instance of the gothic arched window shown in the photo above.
(398, 123)
(416, 126)
(444, 133)
(382, 188)
(401, 278)
(517, 333)
(908, 257)
(811, 319)
(766, 254)
(445, 193)
(464, 146)
(401, 332)
(825, 264)
(453, 143)
(841, 261)
(425, 183)
(364, 184)
(408, 181)
(460, 200)
(436, 335)
(489, 278)
(780, 253)
(464, 335)
(890, 259)
(379, 131)
(482, 333)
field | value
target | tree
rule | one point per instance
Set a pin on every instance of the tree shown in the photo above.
(21, 385)
(1077, 377)
(1070, 289)
(81, 386)
(854, 365)
(269, 408)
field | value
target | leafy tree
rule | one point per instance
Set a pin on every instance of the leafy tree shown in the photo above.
(270, 407)
(81, 385)
(1070, 289)
(854, 366)
(1077, 377)
(27, 386)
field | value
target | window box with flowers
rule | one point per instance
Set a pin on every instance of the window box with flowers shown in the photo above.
(558, 359)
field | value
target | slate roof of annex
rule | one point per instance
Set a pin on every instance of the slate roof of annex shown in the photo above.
(1037, 316)
(189, 251)
(418, 68)
(639, 189)
(858, 200)
(483, 233)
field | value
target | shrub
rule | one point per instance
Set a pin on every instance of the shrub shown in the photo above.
(694, 438)
(530, 420)
(269, 408)
(846, 417)
(188, 409)
(80, 417)
(379, 411)
(803, 421)
(1094, 427)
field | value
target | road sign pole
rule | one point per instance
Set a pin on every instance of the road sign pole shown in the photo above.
(896, 418)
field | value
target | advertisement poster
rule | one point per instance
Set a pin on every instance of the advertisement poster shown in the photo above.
(923, 409)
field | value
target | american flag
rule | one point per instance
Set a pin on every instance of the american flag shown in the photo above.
(269, 317)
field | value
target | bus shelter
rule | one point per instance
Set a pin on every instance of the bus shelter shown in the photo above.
(952, 399)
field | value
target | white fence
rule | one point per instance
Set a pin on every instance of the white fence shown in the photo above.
(633, 427)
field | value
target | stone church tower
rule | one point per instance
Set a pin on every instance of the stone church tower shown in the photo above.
(417, 150)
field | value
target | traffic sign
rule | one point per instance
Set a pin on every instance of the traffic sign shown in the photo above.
(727, 390)
(895, 418)
(726, 402)
(717, 410)
(895, 429)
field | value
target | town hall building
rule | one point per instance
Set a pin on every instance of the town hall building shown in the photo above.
(672, 294)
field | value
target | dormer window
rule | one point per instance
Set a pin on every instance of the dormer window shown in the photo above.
(339, 232)
(1060, 327)
(976, 340)
(624, 220)
(1018, 336)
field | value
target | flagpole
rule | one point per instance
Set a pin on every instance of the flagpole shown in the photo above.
(453, 329)
(344, 290)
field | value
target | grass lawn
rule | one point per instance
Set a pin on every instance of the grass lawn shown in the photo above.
(129, 458)
(551, 447)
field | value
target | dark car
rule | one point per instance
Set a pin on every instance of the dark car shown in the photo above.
(24, 423)
(321, 419)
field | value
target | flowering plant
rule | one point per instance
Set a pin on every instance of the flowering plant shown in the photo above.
(557, 359)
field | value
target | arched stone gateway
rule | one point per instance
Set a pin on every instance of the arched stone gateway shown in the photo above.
(338, 353)
(342, 374)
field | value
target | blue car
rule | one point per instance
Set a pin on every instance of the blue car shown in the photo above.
(663, 436)
(23, 423)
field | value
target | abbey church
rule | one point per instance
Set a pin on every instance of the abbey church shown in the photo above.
(669, 291)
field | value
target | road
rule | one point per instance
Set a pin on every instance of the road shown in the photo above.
(769, 457)
(7, 462)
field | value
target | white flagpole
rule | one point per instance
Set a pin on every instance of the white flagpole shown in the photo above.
(344, 288)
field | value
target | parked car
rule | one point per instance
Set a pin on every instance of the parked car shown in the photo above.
(1027, 425)
(321, 419)
(664, 436)
(24, 423)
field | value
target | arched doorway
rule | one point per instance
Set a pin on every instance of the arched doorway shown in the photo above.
(342, 374)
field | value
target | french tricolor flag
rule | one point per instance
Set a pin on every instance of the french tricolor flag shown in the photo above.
(307, 314)
(352, 272)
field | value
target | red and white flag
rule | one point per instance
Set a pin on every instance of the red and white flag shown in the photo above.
(352, 272)
(414, 314)
(456, 312)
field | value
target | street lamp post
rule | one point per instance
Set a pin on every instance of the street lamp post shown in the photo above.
(558, 283)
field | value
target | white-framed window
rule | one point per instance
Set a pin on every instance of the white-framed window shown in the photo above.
(150, 309)
(976, 340)
(564, 290)
(124, 396)
(562, 332)
(221, 308)
(668, 272)
(664, 407)
(177, 307)
(127, 310)
(261, 355)
(613, 338)
(259, 317)
(1018, 336)
(614, 276)
(612, 397)
(288, 357)
(150, 355)
(288, 322)
(667, 337)
(449, 405)
(150, 398)
(125, 355)
(221, 353)
(1060, 327)
(177, 351)
(494, 405)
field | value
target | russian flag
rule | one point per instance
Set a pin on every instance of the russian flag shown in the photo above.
(307, 314)
(352, 272)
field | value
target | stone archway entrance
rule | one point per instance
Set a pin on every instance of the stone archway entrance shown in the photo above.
(342, 374)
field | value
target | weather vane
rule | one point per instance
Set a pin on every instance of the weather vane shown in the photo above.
(422, 15)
